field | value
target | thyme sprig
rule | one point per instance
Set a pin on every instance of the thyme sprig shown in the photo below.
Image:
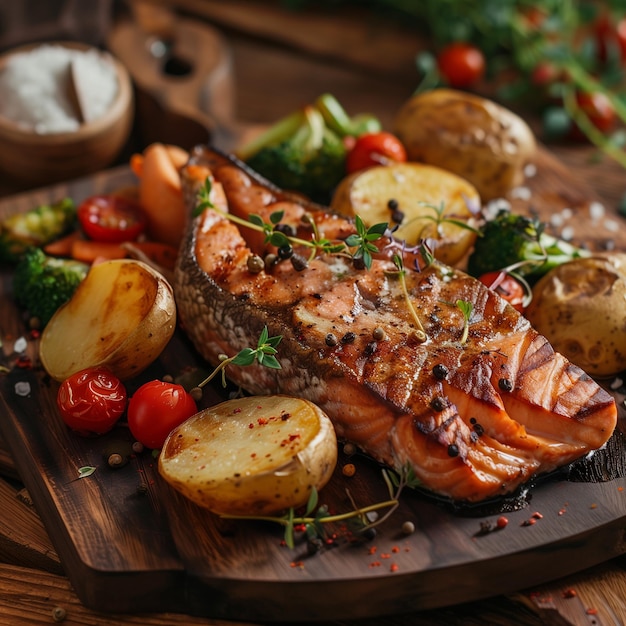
(439, 217)
(400, 273)
(316, 516)
(359, 246)
(263, 354)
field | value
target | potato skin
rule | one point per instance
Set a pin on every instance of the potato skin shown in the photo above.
(580, 307)
(251, 456)
(367, 193)
(121, 317)
(471, 136)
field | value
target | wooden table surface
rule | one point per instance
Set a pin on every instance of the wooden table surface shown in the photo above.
(281, 60)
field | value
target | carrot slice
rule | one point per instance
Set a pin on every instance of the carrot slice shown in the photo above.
(63, 246)
(88, 251)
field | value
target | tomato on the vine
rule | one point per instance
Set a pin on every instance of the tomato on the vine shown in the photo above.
(380, 148)
(507, 287)
(461, 64)
(91, 401)
(598, 108)
(112, 219)
(155, 409)
(610, 37)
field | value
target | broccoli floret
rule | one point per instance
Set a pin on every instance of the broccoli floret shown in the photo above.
(518, 243)
(36, 227)
(41, 283)
(305, 151)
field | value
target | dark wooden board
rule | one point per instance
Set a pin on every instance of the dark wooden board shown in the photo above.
(129, 543)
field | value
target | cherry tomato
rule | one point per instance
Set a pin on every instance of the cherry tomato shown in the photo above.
(111, 218)
(507, 287)
(461, 64)
(380, 148)
(598, 108)
(610, 37)
(91, 401)
(155, 409)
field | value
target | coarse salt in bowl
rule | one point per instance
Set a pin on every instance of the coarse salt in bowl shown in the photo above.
(66, 110)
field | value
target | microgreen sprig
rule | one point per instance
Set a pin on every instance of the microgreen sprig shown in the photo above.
(400, 273)
(363, 238)
(263, 354)
(315, 516)
(439, 217)
(466, 308)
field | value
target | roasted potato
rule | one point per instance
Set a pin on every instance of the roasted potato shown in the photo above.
(416, 192)
(121, 317)
(471, 136)
(580, 307)
(251, 456)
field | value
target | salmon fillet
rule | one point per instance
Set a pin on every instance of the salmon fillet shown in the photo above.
(475, 418)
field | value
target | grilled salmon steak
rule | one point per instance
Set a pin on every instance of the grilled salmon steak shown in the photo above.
(416, 363)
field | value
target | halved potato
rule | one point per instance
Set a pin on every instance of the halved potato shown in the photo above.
(121, 317)
(415, 190)
(251, 456)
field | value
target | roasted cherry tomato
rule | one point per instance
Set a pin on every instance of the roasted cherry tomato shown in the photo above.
(155, 409)
(91, 401)
(380, 148)
(111, 218)
(598, 109)
(461, 64)
(507, 287)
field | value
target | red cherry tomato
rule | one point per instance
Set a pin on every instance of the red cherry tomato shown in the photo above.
(598, 109)
(91, 401)
(155, 409)
(610, 37)
(461, 64)
(507, 287)
(371, 149)
(111, 218)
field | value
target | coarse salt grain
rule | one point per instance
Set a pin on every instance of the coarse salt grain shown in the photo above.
(34, 87)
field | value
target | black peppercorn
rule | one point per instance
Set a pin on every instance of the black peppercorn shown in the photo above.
(505, 384)
(331, 340)
(348, 338)
(285, 252)
(286, 229)
(438, 403)
(440, 371)
(453, 450)
(299, 262)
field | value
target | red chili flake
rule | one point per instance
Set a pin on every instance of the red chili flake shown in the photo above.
(300, 528)
(569, 593)
(385, 555)
(372, 550)
(375, 564)
(393, 567)
(501, 522)
(299, 564)
(35, 333)
(395, 549)
(23, 362)
(620, 488)
(537, 515)
(529, 522)
(251, 425)
(593, 506)
(562, 511)
(591, 611)
(237, 410)
(262, 421)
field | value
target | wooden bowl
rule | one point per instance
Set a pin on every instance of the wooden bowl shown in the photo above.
(33, 158)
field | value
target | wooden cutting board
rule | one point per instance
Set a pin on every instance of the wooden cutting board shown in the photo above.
(129, 543)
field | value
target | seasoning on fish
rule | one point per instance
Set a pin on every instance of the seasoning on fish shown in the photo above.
(475, 416)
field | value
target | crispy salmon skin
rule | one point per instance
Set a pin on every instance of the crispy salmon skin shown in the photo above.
(476, 408)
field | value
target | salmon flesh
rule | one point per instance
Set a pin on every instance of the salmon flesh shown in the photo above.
(474, 416)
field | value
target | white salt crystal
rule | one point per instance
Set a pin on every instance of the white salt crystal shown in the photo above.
(34, 87)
